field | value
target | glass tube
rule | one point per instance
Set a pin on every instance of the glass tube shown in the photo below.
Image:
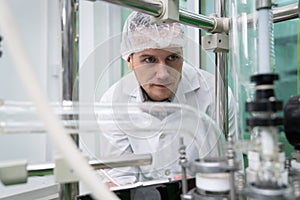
(243, 54)
(21, 117)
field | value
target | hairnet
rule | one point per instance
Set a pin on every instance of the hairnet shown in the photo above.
(140, 33)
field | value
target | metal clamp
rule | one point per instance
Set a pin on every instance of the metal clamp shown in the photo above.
(216, 42)
(263, 4)
(222, 25)
(170, 12)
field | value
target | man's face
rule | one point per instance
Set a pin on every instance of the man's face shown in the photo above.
(158, 71)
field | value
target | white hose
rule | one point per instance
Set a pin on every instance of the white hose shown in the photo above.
(264, 45)
(63, 142)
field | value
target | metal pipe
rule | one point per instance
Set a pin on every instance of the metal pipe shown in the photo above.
(285, 13)
(280, 14)
(122, 161)
(221, 92)
(220, 9)
(102, 163)
(221, 98)
(69, 22)
(150, 7)
(40, 169)
(221, 77)
(196, 20)
(155, 8)
(183, 161)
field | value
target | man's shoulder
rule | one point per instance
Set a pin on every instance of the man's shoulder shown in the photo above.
(121, 89)
(195, 74)
(197, 71)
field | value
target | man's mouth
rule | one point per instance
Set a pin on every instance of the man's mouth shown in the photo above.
(162, 85)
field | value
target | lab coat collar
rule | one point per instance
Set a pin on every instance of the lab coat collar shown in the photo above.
(189, 82)
(190, 77)
(132, 88)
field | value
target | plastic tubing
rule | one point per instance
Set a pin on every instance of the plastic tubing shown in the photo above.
(59, 136)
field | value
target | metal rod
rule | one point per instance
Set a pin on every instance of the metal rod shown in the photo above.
(221, 97)
(222, 90)
(280, 14)
(155, 8)
(122, 161)
(285, 13)
(40, 169)
(69, 22)
(69, 48)
(101, 163)
(220, 8)
(150, 7)
(183, 161)
(221, 77)
(196, 20)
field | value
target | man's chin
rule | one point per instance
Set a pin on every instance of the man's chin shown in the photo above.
(160, 97)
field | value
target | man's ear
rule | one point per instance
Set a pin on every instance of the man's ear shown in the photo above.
(130, 62)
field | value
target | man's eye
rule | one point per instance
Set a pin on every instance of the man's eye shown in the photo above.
(173, 57)
(150, 60)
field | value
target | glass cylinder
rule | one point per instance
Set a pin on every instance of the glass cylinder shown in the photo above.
(243, 53)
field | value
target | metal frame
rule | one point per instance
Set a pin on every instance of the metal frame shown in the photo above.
(155, 8)
(69, 9)
(101, 163)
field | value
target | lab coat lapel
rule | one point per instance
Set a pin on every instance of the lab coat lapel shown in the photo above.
(179, 97)
(132, 89)
(188, 83)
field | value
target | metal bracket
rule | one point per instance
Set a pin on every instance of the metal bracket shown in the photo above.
(62, 172)
(170, 12)
(13, 172)
(216, 42)
(222, 24)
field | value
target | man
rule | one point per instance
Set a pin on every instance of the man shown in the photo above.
(154, 53)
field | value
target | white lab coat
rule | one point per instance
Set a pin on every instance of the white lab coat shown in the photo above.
(196, 89)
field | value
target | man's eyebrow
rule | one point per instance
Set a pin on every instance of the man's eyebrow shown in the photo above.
(178, 53)
(145, 55)
(150, 55)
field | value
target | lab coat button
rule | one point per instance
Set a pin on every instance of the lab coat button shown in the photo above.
(162, 136)
(167, 172)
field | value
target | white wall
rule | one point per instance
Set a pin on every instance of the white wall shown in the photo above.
(31, 19)
(39, 25)
(32, 27)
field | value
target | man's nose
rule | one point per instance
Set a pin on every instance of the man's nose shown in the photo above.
(162, 71)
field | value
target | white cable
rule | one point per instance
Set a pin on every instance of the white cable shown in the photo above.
(63, 142)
